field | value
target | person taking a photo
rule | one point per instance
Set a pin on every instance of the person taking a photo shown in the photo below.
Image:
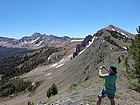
(109, 88)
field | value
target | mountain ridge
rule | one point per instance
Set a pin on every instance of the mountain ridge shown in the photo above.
(34, 41)
(110, 34)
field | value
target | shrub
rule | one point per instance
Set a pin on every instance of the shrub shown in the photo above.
(53, 90)
(30, 103)
(49, 93)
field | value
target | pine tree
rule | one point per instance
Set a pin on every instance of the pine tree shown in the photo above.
(138, 29)
(54, 89)
(134, 50)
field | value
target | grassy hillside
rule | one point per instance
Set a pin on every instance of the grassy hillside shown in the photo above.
(81, 74)
(86, 92)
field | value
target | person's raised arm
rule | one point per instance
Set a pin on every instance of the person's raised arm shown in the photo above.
(100, 71)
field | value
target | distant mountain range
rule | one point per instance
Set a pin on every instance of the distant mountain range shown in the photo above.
(34, 41)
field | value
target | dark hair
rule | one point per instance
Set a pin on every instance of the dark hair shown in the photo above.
(113, 69)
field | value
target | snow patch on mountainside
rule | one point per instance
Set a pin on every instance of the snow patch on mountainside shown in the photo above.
(48, 74)
(121, 31)
(33, 41)
(39, 43)
(52, 42)
(49, 58)
(78, 40)
(70, 55)
(62, 61)
(90, 42)
(125, 48)
(88, 45)
(124, 34)
(25, 42)
(59, 65)
(81, 51)
(113, 29)
(54, 65)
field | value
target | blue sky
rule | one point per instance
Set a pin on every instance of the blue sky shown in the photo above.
(74, 18)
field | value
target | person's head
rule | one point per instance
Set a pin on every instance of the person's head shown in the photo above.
(113, 69)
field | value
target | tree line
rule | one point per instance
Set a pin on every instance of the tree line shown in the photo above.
(134, 51)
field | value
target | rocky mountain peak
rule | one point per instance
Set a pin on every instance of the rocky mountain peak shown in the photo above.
(86, 40)
(109, 27)
(36, 35)
(119, 30)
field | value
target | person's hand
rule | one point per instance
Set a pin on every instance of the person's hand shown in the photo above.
(101, 67)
